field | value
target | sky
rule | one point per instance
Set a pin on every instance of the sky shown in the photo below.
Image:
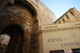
(59, 7)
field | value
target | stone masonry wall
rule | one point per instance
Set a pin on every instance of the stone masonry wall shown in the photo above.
(20, 15)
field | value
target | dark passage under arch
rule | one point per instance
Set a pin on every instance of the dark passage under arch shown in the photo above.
(16, 41)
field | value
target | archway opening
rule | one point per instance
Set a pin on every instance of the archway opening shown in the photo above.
(16, 34)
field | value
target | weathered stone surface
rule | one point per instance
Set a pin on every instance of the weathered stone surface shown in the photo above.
(45, 15)
(18, 14)
(20, 19)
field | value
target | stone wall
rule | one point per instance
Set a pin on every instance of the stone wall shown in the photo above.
(23, 16)
(45, 15)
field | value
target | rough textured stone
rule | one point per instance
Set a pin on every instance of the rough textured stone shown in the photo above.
(18, 14)
(20, 19)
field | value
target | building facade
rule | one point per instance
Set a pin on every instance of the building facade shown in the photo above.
(60, 38)
(63, 35)
(19, 21)
(70, 16)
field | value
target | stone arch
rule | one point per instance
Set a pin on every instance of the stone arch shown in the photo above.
(16, 41)
(28, 5)
(15, 27)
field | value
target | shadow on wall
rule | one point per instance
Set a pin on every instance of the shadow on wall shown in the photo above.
(16, 34)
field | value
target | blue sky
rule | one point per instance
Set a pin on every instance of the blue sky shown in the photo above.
(59, 7)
